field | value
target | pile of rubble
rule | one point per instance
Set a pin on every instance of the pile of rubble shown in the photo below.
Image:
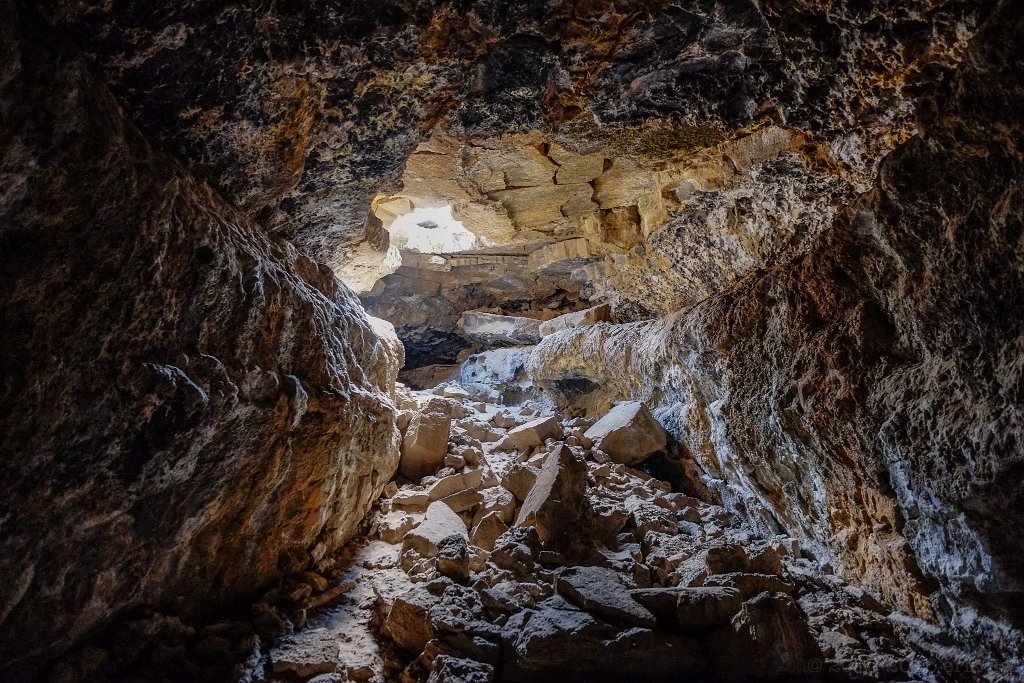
(520, 545)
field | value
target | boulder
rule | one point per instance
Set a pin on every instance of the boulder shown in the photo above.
(519, 479)
(489, 330)
(425, 442)
(549, 638)
(532, 434)
(408, 622)
(453, 558)
(628, 433)
(411, 500)
(557, 504)
(448, 669)
(590, 316)
(313, 652)
(498, 499)
(439, 523)
(600, 591)
(691, 608)
(467, 480)
(488, 529)
(769, 638)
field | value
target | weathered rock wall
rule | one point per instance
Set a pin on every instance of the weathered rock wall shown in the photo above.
(868, 394)
(190, 409)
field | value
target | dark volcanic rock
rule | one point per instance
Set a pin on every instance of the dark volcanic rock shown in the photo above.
(191, 409)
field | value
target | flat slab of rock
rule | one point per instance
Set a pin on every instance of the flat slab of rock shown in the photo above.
(491, 330)
(599, 591)
(310, 653)
(590, 316)
(628, 433)
(448, 669)
(532, 434)
(439, 523)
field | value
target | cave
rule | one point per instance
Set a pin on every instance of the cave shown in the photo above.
(465, 341)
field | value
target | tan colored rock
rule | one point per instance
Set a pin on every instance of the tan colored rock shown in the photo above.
(488, 529)
(426, 442)
(488, 329)
(559, 252)
(439, 523)
(573, 167)
(532, 434)
(589, 316)
(519, 479)
(468, 479)
(628, 433)
(411, 500)
(557, 505)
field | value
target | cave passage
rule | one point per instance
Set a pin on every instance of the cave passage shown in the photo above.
(481, 342)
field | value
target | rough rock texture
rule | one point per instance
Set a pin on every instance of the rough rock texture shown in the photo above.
(807, 213)
(867, 394)
(191, 409)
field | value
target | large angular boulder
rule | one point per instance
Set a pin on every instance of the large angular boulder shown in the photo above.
(489, 330)
(557, 504)
(600, 591)
(547, 639)
(439, 523)
(426, 441)
(769, 638)
(691, 608)
(628, 433)
(589, 316)
(532, 434)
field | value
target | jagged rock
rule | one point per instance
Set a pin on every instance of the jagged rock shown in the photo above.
(413, 501)
(628, 433)
(500, 500)
(408, 622)
(439, 523)
(453, 558)
(532, 434)
(467, 480)
(557, 505)
(545, 639)
(447, 669)
(769, 638)
(589, 316)
(314, 652)
(489, 330)
(519, 479)
(691, 608)
(426, 441)
(601, 592)
(488, 529)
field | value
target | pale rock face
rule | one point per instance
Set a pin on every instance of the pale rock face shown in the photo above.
(491, 330)
(628, 433)
(426, 441)
(532, 434)
(439, 523)
(589, 316)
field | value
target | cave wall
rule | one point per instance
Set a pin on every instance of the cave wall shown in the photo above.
(190, 408)
(867, 395)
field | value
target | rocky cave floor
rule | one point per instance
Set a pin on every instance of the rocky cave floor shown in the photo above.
(533, 555)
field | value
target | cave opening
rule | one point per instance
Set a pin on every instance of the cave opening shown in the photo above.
(704, 378)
